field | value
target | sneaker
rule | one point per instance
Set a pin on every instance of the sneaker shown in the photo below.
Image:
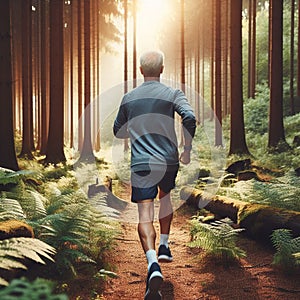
(154, 281)
(164, 254)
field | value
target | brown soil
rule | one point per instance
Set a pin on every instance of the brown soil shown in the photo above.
(192, 275)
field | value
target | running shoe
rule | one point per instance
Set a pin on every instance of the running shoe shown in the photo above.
(154, 281)
(164, 254)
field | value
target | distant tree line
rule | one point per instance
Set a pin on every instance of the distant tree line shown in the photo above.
(51, 54)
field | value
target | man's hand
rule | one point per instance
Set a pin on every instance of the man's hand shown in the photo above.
(185, 157)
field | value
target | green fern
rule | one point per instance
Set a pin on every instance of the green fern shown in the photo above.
(100, 236)
(63, 217)
(8, 176)
(282, 193)
(217, 239)
(33, 204)
(13, 249)
(22, 289)
(67, 232)
(287, 249)
(52, 172)
(10, 209)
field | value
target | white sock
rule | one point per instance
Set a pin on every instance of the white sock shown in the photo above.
(164, 239)
(151, 257)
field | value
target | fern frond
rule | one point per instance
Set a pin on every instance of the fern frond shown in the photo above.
(286, 248)
(69, 233)
(23, 289)
(218, 238)
(3, 282)
(282, 193)
(34, 205)
(281, 239)
(9, 263)
(11, 250)
(22, 247)
(8, 176)
(10, 209)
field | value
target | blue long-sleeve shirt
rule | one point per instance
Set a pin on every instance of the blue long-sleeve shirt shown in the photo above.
(146, 116)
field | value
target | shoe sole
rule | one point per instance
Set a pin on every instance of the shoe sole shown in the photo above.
(155, 282)
(165, 258)
(153, 296)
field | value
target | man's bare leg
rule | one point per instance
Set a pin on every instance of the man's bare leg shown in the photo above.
(165, 220)
(146, 229)
(147, 236)
(165, 212)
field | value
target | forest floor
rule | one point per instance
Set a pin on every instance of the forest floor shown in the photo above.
(192, 275)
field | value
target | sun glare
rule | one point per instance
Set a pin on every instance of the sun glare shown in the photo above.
(151, 17)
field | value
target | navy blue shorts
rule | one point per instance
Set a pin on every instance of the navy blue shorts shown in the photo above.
(145, 184)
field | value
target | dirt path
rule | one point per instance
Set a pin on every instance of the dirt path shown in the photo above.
(188, 278)
(132, 266)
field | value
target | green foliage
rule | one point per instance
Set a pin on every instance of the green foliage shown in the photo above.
(10, 209)
(291, 126)
(22, 289)
(256, 111)
(68, 234)
(13, 249)
(52, 172)
(13, 177)
(74, 227)
(26, 203)
(63, 217)
(287, 249)
(217, 239)
(262, 59)
(284, 192)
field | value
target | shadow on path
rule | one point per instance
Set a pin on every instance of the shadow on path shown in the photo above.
(167, 290)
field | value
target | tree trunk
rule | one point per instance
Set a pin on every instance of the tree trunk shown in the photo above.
(98, 62)
(80, 72)
(134, 65)
(55, 147)
(126, 145)
(237, 129)
(27, 106)
(16, 20)
(44, 77)
(7, 146)
(252, 49)
(258, 220)
(218, 76)
(67, 72)
(292, 60)
(74, 11)
(212, 60)
(182, 46)
(197, 79)
(298, 54)
(87, 150)
(276, 129)
(225, 105)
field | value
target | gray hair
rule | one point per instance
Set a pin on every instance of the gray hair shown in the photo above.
(151, 63)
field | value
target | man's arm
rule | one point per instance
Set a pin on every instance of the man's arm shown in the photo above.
(120, 124)
(186, 112)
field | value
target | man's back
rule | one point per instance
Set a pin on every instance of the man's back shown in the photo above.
(149, 112)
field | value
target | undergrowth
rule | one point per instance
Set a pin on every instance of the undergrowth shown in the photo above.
(63, 219)
(282, 192)
(287, 249)
(217, 239)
